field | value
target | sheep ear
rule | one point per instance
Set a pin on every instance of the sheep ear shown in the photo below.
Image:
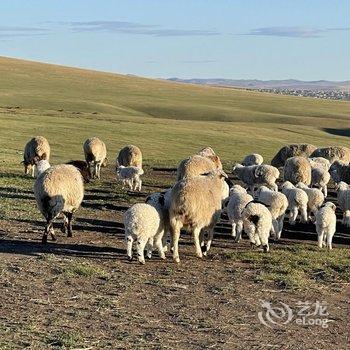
(223, 174)
(147, 199)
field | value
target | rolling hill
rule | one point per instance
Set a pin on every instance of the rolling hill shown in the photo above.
(168, 120)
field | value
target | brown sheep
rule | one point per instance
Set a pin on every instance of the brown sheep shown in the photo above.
(294, 150)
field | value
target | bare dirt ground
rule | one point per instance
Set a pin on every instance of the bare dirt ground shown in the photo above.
(82, 293)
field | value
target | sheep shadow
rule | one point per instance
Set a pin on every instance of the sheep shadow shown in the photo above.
(338, 132)
(36, 248)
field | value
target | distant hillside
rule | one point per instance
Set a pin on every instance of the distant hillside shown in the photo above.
(168, 120)
(270, 84)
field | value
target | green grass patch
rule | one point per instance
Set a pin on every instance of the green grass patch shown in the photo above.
(83, 269)
(298, 265)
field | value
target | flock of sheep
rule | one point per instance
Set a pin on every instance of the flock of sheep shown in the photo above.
(201, 192)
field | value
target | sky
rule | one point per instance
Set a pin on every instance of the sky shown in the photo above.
(238, 39)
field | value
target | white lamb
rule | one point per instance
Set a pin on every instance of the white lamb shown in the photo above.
(326, 224)
(320, 178)
(238, 199)
(130, 176)
(297, 201)
(144, 223)
(315, 198)
(343, 196)
(257, 223)
(277, 203)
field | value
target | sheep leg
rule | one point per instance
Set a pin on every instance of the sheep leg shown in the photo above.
(69, 224)
(175, 235)
(303, 214)
(141, 243)
(293, 214)
(48, 229)
(329, 240)
(159, 246)
(320, 238)
(149, 248)
(202, 238)
(264, 239)
(325, 191)
(129, 240)
(239, 230)
(64, 227)
(196, 234)
(210, 239)
(280, 226)
(233, 232)
(275, 228)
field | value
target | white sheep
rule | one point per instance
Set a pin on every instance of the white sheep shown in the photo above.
(255, 175)
(297, 169)
(315, 198)
(143, 222)
(253, 159)
(196, 205)
(277, 203)
(257, 223)
(319, 162)
(326, 221)
(130, 176)
(238, 199)
(297, 201)
(130, 155)
(320, 178)
(41, 166)
(60, 189)
(95, 155)
(343, 196)
(36, 149)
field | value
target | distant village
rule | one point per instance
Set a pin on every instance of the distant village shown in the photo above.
(328, 94)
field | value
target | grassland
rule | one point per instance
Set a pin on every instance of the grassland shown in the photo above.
(167, 120)
(81, 293)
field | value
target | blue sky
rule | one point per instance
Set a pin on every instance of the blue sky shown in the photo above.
(262, 39)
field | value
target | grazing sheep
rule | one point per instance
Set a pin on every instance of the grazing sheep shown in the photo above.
(315, 199)
(297, 201)
(297, 169)
(333, 153)
(194, 166)
(303, 150)
(255, 175)
(130, 176)
(196, 205)
(95, 155)
(320, 178)
(60, 189)
(238, 199)
(130, 155)
(41, 166)
(253, 159)
(319, 162)
(36, 149)
(257, 223)
(326, 221)
(83, 167)
(277, 203)
(340, 172)
(343, 196)
(144, 223)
